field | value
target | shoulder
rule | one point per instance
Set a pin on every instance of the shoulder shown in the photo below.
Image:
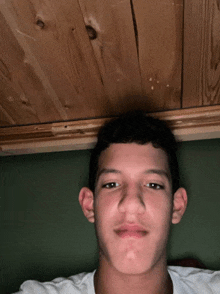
(81, 283)
(194, 280)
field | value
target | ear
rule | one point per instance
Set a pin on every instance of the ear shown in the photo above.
(86, 200)
(179, 205)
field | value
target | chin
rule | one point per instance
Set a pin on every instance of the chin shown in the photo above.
(133, 267)
(133, 271)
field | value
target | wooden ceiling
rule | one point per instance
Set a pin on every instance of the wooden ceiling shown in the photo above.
(70, 61)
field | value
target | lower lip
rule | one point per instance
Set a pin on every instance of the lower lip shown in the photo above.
(131, 234)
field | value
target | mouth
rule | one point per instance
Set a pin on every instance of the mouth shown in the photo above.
(131, 231)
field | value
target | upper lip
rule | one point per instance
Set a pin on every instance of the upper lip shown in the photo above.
(130, 227)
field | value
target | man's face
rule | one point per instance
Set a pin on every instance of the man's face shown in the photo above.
(133, 206)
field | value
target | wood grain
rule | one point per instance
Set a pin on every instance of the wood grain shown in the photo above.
(159, 35)
(64, 63)
(23, 98)
(57, 48)
(201, 75)
(115, 50)
(187, 124)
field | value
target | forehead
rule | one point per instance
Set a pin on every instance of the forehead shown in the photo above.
(134, 157)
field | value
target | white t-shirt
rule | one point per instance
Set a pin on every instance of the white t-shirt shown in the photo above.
(186, 280)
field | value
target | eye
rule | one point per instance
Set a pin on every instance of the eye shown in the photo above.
(110, 185)
(155, 186)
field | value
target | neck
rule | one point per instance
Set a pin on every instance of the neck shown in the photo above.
(110, 281)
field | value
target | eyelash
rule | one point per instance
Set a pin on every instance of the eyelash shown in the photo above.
(110, 185)
(154, 186)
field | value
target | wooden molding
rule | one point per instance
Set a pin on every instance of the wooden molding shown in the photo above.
(187, 124)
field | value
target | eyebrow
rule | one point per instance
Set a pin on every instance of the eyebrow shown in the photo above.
(107, 171)
(159, 172)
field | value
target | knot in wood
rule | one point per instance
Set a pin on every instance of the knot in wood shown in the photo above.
(40, 23)
(91, 32)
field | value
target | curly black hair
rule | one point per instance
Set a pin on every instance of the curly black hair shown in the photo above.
(136, 127)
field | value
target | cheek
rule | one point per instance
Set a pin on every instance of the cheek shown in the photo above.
(159, 210)
(104, 208)
(105, 203)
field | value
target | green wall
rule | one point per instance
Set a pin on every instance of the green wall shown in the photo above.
(44, 233)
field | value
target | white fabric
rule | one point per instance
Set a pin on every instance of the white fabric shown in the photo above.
(186, 280)
(78, 284)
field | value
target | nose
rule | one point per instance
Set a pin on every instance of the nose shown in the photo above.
(131, 201)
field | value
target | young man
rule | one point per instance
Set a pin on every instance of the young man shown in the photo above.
(133, 197)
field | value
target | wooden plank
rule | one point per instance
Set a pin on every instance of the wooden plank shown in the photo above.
(201, 67)
(187, 124)
(159, 38)
(56, 44)
(114, 44)
(23, 98)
